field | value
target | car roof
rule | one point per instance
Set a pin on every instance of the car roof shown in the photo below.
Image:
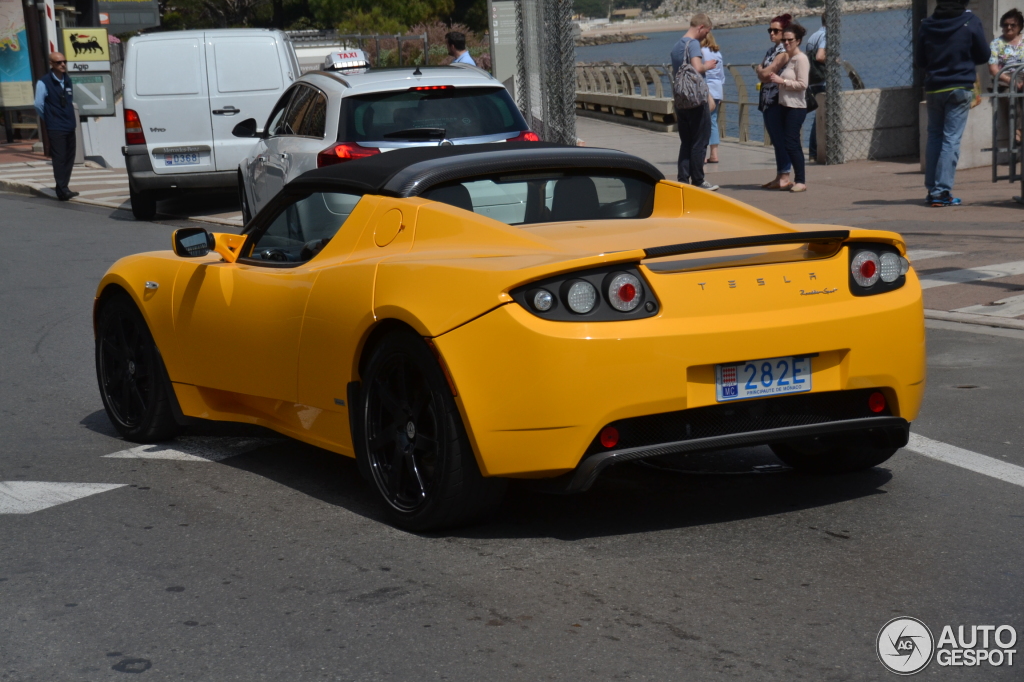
(378, 80)
(412, 171)
(208, 33)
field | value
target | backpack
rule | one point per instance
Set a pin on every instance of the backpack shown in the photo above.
(817, 73)
(689, 89)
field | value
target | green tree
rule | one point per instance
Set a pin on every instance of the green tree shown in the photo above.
(377, 16)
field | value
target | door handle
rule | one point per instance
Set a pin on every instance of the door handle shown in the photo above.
(226, 111)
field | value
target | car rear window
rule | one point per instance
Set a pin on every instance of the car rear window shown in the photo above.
(549, 197)
(460, 112)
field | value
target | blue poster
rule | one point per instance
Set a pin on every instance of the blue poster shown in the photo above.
(15, 70)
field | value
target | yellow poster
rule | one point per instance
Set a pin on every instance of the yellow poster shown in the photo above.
(86, 45)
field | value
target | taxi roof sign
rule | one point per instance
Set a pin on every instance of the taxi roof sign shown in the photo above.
(347, 61)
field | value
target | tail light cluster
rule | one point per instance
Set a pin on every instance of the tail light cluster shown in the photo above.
(525, 136)
(603, 295)
(343, 151)
(876, 268)
(133, 133)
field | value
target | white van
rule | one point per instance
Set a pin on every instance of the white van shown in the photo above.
(184, 92)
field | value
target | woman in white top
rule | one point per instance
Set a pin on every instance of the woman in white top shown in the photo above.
(792, 84)
(716, 82)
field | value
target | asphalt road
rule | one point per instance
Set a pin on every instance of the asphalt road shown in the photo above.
(275, 564)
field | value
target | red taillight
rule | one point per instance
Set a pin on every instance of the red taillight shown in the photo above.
(627, 292)
(133, 128)
(344, 151)
(868, 269)
(609, 436)
(525, 136)
(876, 402)
(433, 87)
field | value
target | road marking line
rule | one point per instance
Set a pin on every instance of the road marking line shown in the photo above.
(193, 449)
(941, 279)
(25, 497)
(1004, 307)
(924, 254)
(972, 461)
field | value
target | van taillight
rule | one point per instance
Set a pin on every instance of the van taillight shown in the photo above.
(343, 151)
(133, 128)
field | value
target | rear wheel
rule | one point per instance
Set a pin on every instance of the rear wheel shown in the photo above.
(143, 204)
(131, 374)
(414, 443)
(854, 453)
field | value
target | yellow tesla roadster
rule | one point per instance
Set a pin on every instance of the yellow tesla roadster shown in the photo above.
(453, 317)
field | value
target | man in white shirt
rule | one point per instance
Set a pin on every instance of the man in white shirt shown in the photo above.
(457, 48)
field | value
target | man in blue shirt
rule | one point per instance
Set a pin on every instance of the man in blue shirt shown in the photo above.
(951, 44)
(457, 48)
(55, 106)
(694, 124)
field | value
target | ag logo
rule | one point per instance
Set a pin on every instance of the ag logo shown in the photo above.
(905, 646)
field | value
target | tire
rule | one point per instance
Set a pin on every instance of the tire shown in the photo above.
(412, 441)
(143, 204)
(246, 211)
(131, 375)
(853, 453)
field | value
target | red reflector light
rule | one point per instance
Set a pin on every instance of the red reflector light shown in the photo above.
(609, 436)
(133, 133)
(867, 270)
(627, 292)
(525, 136)
(876, 402)
(433, 87)
(345, 151)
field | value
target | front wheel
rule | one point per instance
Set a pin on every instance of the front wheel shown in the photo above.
(832, 456)
(413, 441)
(131, 374)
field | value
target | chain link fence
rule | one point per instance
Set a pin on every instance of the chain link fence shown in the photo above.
(546, 80)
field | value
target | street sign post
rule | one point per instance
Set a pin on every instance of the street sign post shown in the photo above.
(94, 94)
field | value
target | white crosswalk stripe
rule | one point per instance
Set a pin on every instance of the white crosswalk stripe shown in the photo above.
(965, 459)
(25, 497)
(978, 274)
(194, 449)
(1004, 307)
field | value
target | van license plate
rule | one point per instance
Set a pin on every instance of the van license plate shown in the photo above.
(181, 159)
(762, 378)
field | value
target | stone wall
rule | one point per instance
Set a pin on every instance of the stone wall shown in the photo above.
(877, 124)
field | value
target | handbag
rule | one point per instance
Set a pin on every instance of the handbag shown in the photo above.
(811, 100)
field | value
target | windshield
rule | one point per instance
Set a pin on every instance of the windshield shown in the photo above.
(420, 114)
(551, 197)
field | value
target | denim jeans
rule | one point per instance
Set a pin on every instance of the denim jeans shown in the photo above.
(773, 117)
(792, 122)
(947, 118)
(812, 145)
(694, 133)
(715, 139)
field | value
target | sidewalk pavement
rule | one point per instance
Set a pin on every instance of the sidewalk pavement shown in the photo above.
(26, 172)
(970, 258)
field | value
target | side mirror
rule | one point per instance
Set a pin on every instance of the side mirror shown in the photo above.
(246, 128)
(192, 242)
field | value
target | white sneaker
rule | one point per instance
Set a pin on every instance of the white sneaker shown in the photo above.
(708, 186)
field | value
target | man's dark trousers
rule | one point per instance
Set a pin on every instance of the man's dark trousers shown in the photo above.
(694, 134)
(62, 154)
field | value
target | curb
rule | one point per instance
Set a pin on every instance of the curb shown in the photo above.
(971, 318)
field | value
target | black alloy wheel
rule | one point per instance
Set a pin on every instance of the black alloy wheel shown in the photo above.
(131, 374)
(414, 445)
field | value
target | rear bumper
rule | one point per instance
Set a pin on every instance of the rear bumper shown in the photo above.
(143, 178)
(535, 393)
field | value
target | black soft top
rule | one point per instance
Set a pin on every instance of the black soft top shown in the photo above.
(411, 171)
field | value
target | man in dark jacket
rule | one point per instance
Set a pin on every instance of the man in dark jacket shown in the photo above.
(55, 105)
(951, 45)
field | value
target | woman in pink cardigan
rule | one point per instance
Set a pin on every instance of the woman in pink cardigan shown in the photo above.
(792, 84)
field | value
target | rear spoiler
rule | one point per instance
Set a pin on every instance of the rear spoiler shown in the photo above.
(740, 242)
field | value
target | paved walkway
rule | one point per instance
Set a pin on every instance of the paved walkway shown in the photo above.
(27, 172)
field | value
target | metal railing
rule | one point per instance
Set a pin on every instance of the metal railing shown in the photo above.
(1007, 122)
(654, 81)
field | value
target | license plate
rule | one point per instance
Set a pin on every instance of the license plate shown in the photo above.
(181, 159)
(762, 378)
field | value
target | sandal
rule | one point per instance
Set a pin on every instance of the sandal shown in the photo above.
(797, 187)
(787, 187)
(774, 184)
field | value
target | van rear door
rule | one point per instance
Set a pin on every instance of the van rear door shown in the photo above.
(172, 100)
(247, 76)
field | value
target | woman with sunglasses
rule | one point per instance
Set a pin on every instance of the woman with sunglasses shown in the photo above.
(774, 60)
(792, 106)
(1009, 47)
